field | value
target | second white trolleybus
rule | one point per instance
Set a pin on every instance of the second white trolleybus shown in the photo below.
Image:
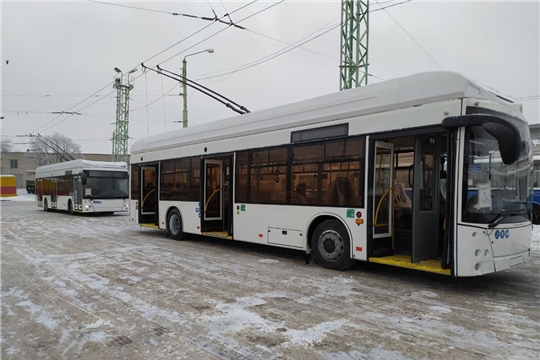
(430, 172)
(83, 186)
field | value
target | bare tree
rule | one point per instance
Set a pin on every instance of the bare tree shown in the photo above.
(51, 149)
(6, 145)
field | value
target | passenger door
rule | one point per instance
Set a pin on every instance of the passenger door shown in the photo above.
(383, 193)
(425, 198)
(149, 194)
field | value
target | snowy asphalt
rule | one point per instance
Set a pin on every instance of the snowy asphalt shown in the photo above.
(99, 287)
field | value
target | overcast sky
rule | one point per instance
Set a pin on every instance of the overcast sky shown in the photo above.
(61, 53)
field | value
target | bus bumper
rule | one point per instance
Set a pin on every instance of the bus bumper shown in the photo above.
(509, 261)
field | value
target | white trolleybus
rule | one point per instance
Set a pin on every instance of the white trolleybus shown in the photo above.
(429, 172)
(83, 186)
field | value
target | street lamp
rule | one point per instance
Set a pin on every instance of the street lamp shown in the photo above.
(184, 75)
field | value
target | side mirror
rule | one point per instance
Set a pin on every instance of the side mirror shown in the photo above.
(83, 178)
(508, 140)
(506, 133)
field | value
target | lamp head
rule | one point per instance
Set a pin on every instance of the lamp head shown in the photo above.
(209, 50)
(117, 70)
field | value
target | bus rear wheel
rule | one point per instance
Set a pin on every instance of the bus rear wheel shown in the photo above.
(331, 245)
(70, 208)
(174, 225)
(45, 205)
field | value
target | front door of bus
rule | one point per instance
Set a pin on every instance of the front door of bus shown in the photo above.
(425, 229)
(383, 195)
(148, 194)
(213, 195)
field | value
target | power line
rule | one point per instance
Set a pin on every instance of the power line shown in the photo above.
(142, 107)
(198, 31)
(58, 123)
(216, 33)
(150, 10)
(417, 43)
(277, 53)
(71, 108)
(258, 12)
(95, 93)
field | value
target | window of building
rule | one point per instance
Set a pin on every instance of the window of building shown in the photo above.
(13, 164)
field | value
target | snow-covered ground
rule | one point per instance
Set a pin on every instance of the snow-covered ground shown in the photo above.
(22, 195)
(98, 287)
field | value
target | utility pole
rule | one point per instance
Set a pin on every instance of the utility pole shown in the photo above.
(354, 43)
(121, 134)
(184, 93)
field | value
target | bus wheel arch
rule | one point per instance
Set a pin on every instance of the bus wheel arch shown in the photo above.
(330, 242)
(174, 224)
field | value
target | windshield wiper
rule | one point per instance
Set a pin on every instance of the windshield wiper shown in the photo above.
(503, 215)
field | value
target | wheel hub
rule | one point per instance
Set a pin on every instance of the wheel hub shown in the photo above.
(331, 245)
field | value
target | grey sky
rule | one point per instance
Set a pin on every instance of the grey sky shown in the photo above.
(69, 50)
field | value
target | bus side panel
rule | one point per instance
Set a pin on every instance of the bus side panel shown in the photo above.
(62, 202)
(134, 211)
(189, 211)
(287, 226)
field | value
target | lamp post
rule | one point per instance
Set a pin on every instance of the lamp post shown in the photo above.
(184, 86)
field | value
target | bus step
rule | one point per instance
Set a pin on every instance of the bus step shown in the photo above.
(404, 261)
(218, 234)
(153, 226)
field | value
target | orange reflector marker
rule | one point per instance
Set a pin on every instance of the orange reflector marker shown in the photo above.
(359, 221)
(198, 227)
(260, 235)
(163, 223)
(358, 248)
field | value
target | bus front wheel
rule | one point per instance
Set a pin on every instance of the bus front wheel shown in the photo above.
(331, 245)
(174, 225)
(70, 208)
(45, 205)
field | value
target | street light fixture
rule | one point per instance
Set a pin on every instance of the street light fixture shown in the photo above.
(184, 76)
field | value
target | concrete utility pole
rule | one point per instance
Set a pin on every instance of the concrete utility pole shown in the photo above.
(354, 43)
(121, 135)
(184, 86)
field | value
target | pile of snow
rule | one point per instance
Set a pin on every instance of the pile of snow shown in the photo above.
(22, 195)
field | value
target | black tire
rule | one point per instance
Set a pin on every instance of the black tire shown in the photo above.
(70, 208)
(174, 225)
(45, 205)
(331, 245)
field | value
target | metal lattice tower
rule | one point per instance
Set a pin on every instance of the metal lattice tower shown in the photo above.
(120, 135)
(354, 44)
